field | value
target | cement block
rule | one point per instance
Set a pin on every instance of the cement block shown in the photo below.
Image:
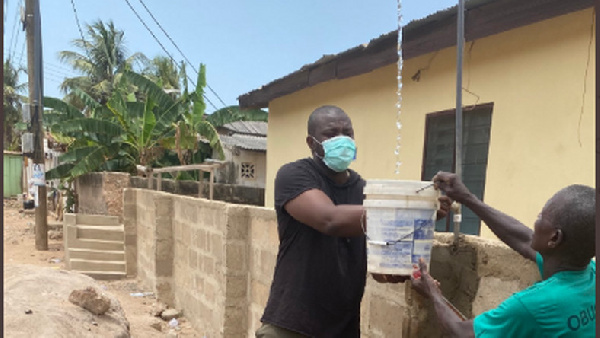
(238, 223)
(97, 244)
(259, 293)
(217, 246)
(164, 267)
(193, 259)
(101, 232)
(201, 240)
(97, 219)
(235, 257)
(164, 292)
(235, 321)
(210, 293)
(92, 265)
(208, 265)
(267, 262)
(386, 316)
(186, 234)
(236, 289)
(97, 255)
(164, 228)
(163, 206)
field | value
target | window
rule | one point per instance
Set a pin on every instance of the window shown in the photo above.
(247, 170)
(439, 156)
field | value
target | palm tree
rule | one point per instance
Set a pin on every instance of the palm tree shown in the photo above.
(12, 103)
(165, 73)
(101, 60)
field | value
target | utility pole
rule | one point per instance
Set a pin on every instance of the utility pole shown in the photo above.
(34, 65)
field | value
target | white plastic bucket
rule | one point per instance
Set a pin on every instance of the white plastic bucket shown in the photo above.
(400, 223)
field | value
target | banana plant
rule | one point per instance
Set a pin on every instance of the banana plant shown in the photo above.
(129, 131)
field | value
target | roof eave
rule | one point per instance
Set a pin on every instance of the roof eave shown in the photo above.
(435, 32)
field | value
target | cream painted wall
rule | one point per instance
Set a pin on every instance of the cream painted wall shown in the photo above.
(541, 139)
(259, 159)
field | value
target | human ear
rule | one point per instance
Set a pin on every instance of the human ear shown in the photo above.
(557, 238)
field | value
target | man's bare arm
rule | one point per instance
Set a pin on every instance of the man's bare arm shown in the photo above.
(508, 229)
(316, 210)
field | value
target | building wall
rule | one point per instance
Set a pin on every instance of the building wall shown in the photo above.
(542, 131)
(231, 172)
(215, 262)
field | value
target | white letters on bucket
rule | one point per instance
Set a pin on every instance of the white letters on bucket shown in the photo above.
(400, 224)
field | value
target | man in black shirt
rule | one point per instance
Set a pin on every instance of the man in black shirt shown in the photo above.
(321, 266)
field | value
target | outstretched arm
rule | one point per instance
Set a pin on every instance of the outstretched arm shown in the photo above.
(509, 230)
(451, 324)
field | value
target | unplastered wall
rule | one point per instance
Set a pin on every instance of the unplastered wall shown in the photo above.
(102, 193)
(215, 262)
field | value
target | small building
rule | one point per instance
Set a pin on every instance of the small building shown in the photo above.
(245, 147)
(13, 174)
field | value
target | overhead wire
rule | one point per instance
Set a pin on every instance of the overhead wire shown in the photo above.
(14, 30)
(164, 49)
(178, 49)
(79, 27)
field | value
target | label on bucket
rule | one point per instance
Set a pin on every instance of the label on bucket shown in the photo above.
(397, 238)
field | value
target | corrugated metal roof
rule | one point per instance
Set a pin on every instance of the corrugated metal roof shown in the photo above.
(248, 127)
(248, 142)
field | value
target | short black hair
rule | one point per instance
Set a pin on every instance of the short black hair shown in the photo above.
(576, 217)
(313, 119)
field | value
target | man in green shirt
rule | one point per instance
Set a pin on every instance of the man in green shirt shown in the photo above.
(562, 244)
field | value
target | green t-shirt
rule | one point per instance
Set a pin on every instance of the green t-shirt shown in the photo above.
(564, 305)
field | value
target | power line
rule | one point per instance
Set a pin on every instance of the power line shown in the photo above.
(79, 27)
(47, 67)
(12, 36)
(180, 52)
(163, 47)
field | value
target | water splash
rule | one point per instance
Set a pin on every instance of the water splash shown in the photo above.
(399, 92)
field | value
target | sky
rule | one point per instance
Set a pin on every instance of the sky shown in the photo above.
(244, 44)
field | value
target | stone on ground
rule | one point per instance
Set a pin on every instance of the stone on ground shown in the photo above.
(90, 300)
(169, 314)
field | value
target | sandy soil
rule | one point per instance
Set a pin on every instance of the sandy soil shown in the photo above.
(19, 247)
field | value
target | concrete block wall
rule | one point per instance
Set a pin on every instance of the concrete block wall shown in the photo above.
(102, 193)
(262, 253)
(215, 262)
(198, 254)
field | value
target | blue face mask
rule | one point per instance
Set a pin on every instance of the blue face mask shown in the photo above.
(340, 151)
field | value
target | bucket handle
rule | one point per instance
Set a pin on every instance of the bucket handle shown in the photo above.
(386, 243)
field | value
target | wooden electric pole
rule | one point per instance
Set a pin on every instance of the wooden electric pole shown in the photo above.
(34, 66)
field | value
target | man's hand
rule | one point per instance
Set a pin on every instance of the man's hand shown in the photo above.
(394, 279)
(445, 204)
(452, 186)
(423, 282)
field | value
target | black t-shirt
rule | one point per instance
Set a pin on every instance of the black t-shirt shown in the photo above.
(319, 279)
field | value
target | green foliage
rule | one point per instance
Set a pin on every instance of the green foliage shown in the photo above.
(100, 60)
(233, 113)
(129, 131)
(11, 103)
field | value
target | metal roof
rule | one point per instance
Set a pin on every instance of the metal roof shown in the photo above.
(247, 142)
(432, 33)
(248, 127)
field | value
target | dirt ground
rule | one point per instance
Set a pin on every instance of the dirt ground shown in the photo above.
(19, 247)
